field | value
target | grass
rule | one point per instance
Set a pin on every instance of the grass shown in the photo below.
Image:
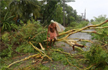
(59, 61)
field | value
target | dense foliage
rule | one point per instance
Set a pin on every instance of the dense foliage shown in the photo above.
(44, 10)
(17, 41)
(14, 36)
(98, 54)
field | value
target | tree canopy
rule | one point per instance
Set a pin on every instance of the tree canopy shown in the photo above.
(43, 10)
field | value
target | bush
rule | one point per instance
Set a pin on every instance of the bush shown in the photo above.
(17, 41)
(98, 54)
(102, 37)
(79, 25)
(73, 24)
(6, 22)
(97, 57)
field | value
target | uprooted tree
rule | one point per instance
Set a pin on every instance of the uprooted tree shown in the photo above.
(71, 42)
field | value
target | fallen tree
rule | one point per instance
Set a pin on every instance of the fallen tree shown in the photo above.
(71, 42)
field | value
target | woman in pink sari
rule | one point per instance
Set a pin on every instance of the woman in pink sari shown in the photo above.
(52, 31)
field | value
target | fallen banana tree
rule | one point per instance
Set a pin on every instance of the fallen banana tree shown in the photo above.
(71, 42)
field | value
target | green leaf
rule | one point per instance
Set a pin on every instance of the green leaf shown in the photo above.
(5, 17)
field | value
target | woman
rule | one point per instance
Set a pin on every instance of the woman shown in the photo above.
(52, 31)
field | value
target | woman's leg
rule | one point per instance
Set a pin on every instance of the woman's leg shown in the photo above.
(50, 42)
(54, 41)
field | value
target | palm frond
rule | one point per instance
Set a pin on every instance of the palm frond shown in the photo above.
(6, 15)
(10, 17)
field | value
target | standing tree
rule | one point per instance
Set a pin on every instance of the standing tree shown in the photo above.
(64, 9)
(48, 10)
(24, 8)
(58, 14)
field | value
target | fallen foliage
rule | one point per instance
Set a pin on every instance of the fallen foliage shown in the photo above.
(71, 42)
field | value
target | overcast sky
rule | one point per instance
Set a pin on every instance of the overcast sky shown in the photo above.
(93, 7)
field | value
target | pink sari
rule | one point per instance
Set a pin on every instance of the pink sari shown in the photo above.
(52, 31)
(53, 35)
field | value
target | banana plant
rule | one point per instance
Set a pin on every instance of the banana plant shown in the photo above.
(24, 8)
(6, 22)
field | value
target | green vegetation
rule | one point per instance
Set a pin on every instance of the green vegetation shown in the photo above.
(79, 25)
(97, 57)
(15, 36)
(18, 41)
(98, 54)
